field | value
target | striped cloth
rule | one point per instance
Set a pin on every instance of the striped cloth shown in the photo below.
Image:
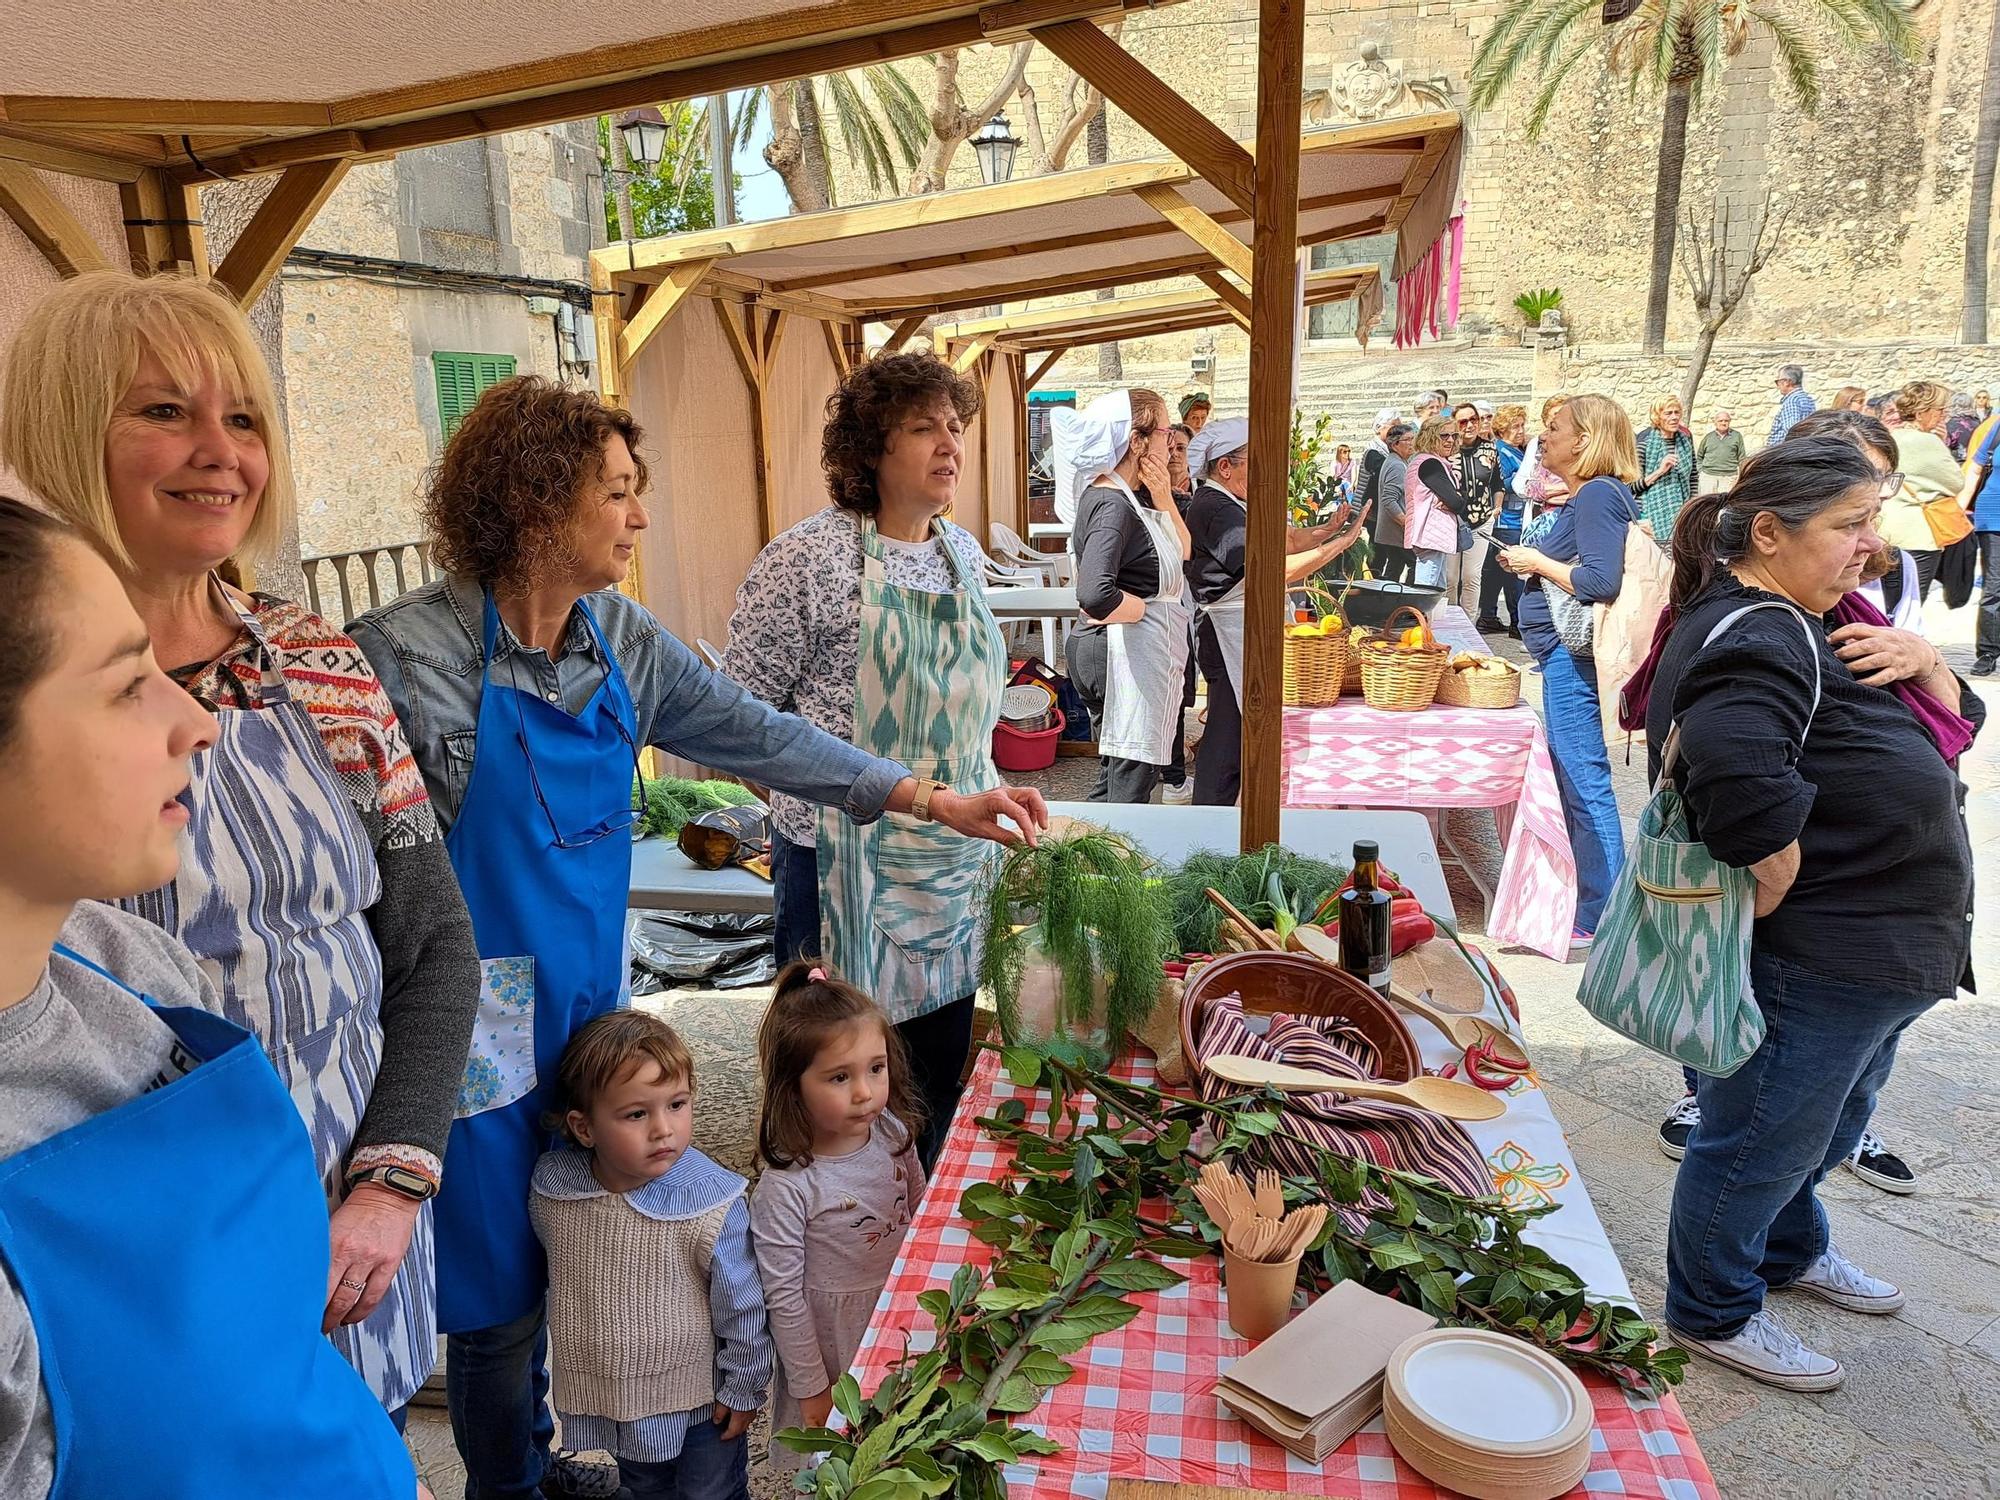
(1387, 1134)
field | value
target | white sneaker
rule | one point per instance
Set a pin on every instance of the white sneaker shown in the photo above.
(1178, 796)
(1766, 1349)
(1836, 1279)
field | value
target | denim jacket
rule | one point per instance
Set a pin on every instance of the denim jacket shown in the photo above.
(425, 645)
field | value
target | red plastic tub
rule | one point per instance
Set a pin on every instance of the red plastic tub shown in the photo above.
(1015, 751)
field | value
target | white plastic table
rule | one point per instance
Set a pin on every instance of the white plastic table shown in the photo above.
(664, 879)
(1047, 605)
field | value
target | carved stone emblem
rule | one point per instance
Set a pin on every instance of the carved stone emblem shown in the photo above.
(1373, 87)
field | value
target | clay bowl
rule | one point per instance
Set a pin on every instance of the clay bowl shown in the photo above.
(1293, 985)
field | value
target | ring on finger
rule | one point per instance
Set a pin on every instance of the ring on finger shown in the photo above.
(355, 1286)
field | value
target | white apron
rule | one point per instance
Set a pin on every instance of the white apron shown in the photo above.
(1146, 660)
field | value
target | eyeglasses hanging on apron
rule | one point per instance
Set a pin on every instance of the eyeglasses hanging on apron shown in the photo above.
(1146, 659)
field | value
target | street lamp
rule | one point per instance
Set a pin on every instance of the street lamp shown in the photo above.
(995, 145)
(645, 133)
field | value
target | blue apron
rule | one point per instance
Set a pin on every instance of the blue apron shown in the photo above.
(544, 856)
(173, 1256)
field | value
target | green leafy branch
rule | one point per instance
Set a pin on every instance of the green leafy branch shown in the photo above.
(1095, 1202)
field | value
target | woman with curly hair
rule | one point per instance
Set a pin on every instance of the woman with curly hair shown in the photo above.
(530, 685)
(312, 884)
(869, 619)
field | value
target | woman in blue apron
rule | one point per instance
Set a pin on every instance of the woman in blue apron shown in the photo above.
(313, 884)
(530, 689)
(162, 1226)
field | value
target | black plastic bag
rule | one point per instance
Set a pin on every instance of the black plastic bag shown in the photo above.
(726, 950)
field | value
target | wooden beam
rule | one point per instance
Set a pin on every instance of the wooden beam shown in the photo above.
(1229, 252)
(836, 350)
(1235, 301)
(800, 42)
(1048, 364)
(47, 222)
(1274, 332)
(68, 156)
(1018, 382)
(67, 112)
(1045, 286)
(1162, 113)
(658, 307)
(163, 228)
(607, 314)
(1017, 250)
(275, 228)
(902, 334)
(973, 351)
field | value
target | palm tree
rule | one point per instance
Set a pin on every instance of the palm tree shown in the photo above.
(881, 119)
(1678, 47)
(1979, 216)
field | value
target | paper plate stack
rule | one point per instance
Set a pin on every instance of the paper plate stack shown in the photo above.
(1487, 1415)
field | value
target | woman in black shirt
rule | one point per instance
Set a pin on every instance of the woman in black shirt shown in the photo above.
(1801, 764)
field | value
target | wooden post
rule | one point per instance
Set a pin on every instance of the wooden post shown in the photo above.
(163, 229)
(1274, 329)
(754, 341)
(275, 228)
(1017, 367)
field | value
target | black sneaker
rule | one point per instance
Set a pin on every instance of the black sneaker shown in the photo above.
(1488, 627)
(1678, 1126)
(1876, 1164)
(572, 1478)
(1984, 666)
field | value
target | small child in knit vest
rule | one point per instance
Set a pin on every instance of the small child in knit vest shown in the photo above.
(842, 1178)
(657, 1339)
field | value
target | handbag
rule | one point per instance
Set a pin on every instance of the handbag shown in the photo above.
(1670, 967)
(1947, 519)
(1575, 620)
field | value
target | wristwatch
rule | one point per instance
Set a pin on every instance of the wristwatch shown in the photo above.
(412, 1185)
(921, 803)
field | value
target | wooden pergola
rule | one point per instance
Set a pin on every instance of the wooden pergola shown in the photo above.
(746, 330)
(162, 97)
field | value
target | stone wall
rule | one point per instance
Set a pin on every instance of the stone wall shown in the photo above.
(1739, 376)
(361, 390)
(1876, 182)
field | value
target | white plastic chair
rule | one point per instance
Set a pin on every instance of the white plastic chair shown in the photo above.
(1007, 548)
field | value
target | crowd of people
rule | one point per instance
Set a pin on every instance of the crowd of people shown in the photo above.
(295, 916)
(1847, 516)
(313, 1031)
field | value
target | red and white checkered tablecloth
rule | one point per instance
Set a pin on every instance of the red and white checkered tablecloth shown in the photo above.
(1351, 755)
(1142, 1404)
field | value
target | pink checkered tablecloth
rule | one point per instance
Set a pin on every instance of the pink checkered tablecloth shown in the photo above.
(1142, 1405)
(1351, 755)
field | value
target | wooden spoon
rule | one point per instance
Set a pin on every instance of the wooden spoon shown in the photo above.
(1441, 1096)
(1256, 935)
(1464, 1031)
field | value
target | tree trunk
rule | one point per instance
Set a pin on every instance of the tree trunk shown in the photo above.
(1097, 150)
(812, 141)
(1667, 207)
(1979, 217)
(721, 159)
(623, 177)
(785, 154)
(952, 122)
(1703, 346)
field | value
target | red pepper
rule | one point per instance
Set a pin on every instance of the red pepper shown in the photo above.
(1408, 926)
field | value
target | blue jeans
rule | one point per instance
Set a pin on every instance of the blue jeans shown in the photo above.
(794, 899)
(706, 1469)
(496, 1387)
(1583, 775)
(1428, 569)
(1744, 1216)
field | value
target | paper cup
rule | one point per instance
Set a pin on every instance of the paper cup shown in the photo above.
(1259, 1294)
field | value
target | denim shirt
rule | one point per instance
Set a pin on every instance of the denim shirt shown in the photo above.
(425, 647)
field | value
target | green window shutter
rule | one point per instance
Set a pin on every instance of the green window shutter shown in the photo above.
(461, 378)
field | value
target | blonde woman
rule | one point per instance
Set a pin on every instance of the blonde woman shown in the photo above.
(1666, 467)
(1431, 500)
(1849, 398)
(1929, 473)
(313, 883)
(1579, 548)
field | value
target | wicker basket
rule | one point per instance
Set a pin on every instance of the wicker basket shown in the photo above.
(1480, 689)
(1401, 678)
(1314, 667)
